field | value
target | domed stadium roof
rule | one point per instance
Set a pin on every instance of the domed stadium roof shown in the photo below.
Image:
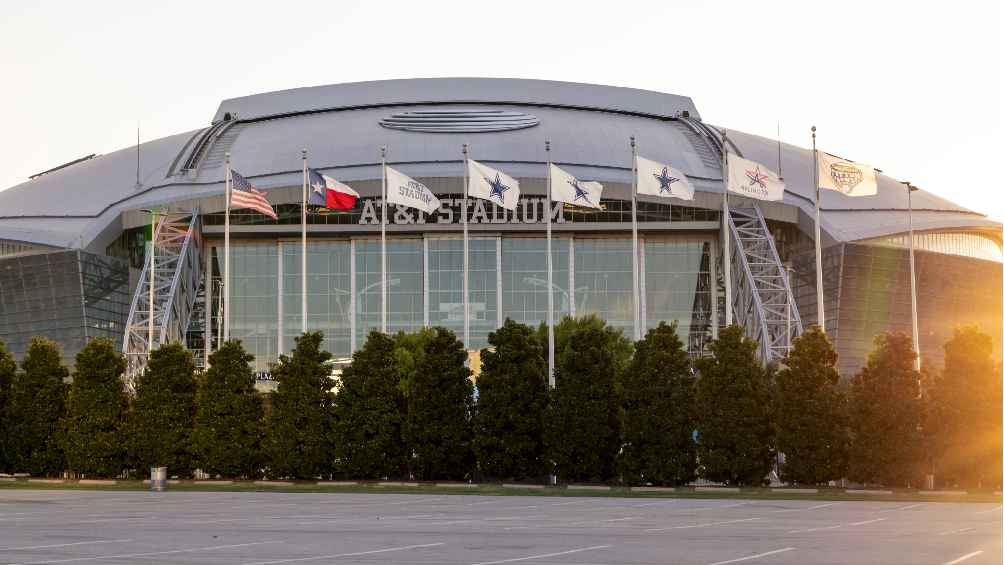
(424, 123)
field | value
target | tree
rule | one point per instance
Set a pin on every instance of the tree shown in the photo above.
(658, 405)
(440, 402)
(299, 432)
(228, 415)
(812, 419)
(162, 422)
(886, 415)
(965, 423)
(92, 431)
(583, 425)
(512, 398)
(370, 413)
(8, 370)
(35, 407)
(735, 427)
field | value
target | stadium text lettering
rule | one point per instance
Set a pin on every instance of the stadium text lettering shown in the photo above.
(529, 211)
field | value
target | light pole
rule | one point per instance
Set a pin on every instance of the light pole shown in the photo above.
(913, 276)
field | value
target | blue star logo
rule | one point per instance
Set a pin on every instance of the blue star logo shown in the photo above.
(757, 178)
(497, 188)
(580, 193)
(665, 181)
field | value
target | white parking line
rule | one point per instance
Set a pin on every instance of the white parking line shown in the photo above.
(965, 557)
(959, 531)
(148, 554)
(994, 509)
(750, 557)
(816, 507)
(28, 547)
(704, 525)
(353, 554)
(717, 507)
(835, 526)
(866, 522)
(897, 509)
(543, 555)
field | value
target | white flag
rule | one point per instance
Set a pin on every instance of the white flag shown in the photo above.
(754, 180)
(566, 188)
(656, 179)
(493, 185)
(851, 179)
(406, 191)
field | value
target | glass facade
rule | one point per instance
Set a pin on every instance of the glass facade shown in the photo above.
(67, 296)
(507, 278)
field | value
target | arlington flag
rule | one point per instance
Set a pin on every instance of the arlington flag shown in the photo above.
(568, 189)
(751, 179)
(490, 184)
(656, 179)
(406, 191)
(851, 179)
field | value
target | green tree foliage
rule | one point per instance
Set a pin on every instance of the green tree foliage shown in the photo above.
(886, 415)
(812, 418)
(512, 398)
(93, 431)
(162, 422)
(299, 432)
(583, 424)
(734, 412)
(440, 404)
(228, 418)
(659, 420)
(965, 422)
(370, 413)
(35, 407)
(8, 370)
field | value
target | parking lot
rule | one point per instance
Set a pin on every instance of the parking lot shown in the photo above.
(65, 526)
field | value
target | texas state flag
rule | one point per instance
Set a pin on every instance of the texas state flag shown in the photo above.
(329, 193)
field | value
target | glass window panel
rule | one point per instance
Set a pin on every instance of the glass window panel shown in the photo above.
(446, 271)
(603, 280)
(677, 287)
(524, 279)
(254, 296)
(404, 286)
(328, 294)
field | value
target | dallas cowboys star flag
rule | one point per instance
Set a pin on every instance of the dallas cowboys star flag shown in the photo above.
(749, 178)
(406, 191)
(656, 179)
(570, 190)
(490, 184)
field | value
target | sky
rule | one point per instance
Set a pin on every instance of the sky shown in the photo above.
(911, 88)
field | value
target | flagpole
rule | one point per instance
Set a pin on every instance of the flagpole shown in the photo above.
(913, 279)
(635, 288)
(226, 256)
(726, 251)
(463, 217)
(820, 309)
(303, 249)
(550, 276)
(383, 240)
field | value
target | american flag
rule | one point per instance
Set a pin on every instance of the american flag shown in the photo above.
(244, 195)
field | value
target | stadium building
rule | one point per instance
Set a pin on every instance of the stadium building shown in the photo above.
(72, 240)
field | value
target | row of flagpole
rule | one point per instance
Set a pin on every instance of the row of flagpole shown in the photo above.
(759, 183)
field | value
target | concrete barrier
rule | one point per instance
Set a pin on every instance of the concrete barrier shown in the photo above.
(943, 492)
(395, 484)
(97, 482)
(456, 485)
(213, 482)
(336, 483)
(47, 481)
(513, 485)
(716, 489)
(653, 489)
(274, 483)
(587, 487)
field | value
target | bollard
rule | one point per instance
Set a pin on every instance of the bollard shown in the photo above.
(158, 479)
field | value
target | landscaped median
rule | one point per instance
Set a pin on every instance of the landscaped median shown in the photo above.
(776, 493)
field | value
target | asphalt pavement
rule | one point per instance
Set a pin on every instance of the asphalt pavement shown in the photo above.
(262, 528)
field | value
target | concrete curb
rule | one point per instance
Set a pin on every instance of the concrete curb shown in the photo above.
(336, 483)
(866, 491)
(395, 484)
(274, 483)
(8, 479)
(97, 482)
(169, 481)
(47, 481)
(513, 485)
(587, 487)
(795, 490)
(212, 482)
(943, 492)
(716, 489)
(456, 485)
(653, 489)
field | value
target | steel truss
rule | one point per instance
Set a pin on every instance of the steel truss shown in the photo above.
(762, 301)
(178, 269)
